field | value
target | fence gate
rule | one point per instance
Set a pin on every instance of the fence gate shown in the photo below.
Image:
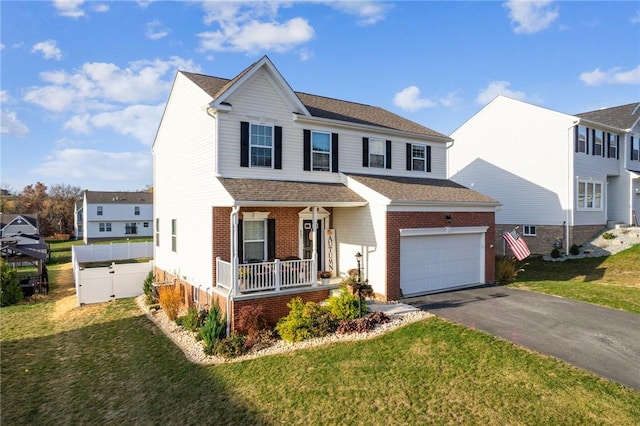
(97, 285)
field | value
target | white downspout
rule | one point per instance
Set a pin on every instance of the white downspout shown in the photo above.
(570, 185)
(314, 244)
(233, 225)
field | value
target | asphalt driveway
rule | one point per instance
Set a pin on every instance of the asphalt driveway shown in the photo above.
(601, 340)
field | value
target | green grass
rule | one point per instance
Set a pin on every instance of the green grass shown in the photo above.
(612, 281)
(108, 364)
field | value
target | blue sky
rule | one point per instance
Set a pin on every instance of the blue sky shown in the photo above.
(84, 83)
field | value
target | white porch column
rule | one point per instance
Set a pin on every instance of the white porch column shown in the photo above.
(314, 244)
(234, 250)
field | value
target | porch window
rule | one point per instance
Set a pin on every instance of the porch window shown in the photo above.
(261, 145)
(598, 140)
(321, 151)
(581, 139)
(174, 234)
(589, 195)
(254, 241)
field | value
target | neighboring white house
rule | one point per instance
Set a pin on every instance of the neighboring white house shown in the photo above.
(21, 229)
(111, 215)
(258, 187)
(560, 177)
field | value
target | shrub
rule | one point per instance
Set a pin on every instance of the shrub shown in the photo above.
(192, 321)
(214, 329)
(147, 288)
(555, 253)
(304, 321)
(362, 325)
(507, 270)
(229, 347)
(251, 321)
(608, 236)
(575, 249)
(169, 298)
(10, 292)
(344, 306)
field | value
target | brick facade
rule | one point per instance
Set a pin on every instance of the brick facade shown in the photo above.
(404, 220)
(546, 235)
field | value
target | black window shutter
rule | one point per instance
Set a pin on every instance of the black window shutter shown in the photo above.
(593, 142)
(271, 238)
(409, 155)
(607, 145)
(244, 144)
(388, 155)
(575, 136)
(240, 242)
(277, 162)
(334, 152)
(428, 159)
(365, 152)
(617, 147)
(306, 137)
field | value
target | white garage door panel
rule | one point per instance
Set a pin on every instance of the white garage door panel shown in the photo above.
(437, 262)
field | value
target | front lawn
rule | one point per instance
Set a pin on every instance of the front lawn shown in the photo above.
(108, 364)
(612, 281)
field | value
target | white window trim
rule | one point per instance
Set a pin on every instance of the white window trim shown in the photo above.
(424, 158)
(596, 144)
(264, 236)
(272, 148)
(588, 183)
(384, 153)
(313, 167)
(526, 230)
(586, 140)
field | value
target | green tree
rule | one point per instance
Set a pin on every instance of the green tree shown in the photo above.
(10, 292)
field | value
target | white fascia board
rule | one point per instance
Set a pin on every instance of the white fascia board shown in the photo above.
(370, 128)
(442, 205)
(447, 230)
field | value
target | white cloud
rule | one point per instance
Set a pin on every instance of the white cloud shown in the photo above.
(69, 8)
(10, 125)
(4, 96)
(87, 164)
(251, 27)
(611, 76)
(98, 85)
(156, 31)
(49, 49)
(496, 88)
(635, 19)
(368, 12)
(137, 121)
(2, 46)
(531, 16)
(409, 99)
(100, 7)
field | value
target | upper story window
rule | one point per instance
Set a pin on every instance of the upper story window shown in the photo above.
(174, 234)
(99, 211)
(261, 145)
(320, 151)
(136, 210)
(598, 142)
(377, 153)
(635, 149)
(418, 157)
(589, 195)
(581, 139)
(612, 145)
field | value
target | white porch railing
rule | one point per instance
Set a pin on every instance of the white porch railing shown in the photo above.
(267, 276)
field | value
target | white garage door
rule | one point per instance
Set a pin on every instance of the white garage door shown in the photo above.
(438, 259)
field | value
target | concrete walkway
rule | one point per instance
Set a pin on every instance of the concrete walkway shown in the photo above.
(601, 340)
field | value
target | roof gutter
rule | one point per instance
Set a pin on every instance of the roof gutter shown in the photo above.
(276, 203)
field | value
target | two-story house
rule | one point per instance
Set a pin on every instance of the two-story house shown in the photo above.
(258, 187)
(113, 215)
(560, 178)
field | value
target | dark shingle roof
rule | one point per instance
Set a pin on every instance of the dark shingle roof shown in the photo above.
(94, 197)
(7, 218)
(409, 189)
(323, 107)
(278, 191)
(622, 117)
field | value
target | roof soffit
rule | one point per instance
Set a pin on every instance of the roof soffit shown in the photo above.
(275, 78)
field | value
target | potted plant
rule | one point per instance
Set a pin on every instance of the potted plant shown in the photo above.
(325, 277)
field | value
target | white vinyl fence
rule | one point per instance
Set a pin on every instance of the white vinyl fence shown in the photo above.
(97, 285)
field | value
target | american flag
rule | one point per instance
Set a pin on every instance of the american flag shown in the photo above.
(517, 244)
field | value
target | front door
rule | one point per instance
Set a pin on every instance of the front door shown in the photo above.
(307, 241)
